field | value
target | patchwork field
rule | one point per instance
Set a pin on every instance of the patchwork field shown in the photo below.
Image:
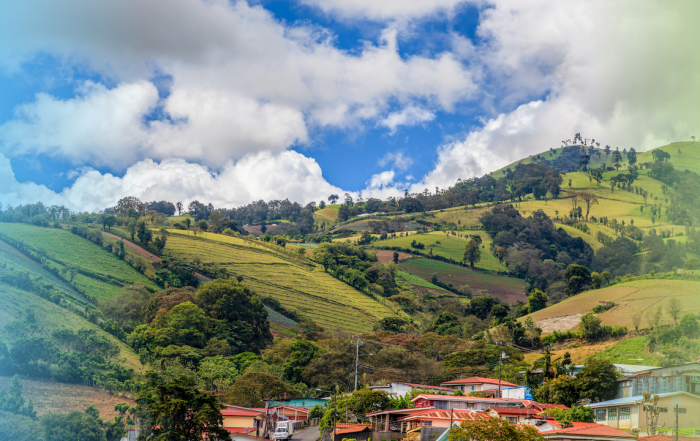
(636, 295)
(451, 247)
(506, 288)
(328, 214)
(299, 284)
(629, 351)
(99, 272)
(459, 216)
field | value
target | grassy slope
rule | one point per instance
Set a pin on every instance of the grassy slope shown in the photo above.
(635, 295)
(300, 285)
(451, 247)
(328, 214)
(64, 248)
(507, 288)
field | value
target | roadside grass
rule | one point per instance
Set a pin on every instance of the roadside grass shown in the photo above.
(451, 247)
(101, 274)
(635, 295)
(506, 288)
(300, 285)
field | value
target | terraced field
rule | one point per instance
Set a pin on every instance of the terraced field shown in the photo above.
(299, 284)
(635, 295)
(99, 272)
(506, 288)
(451, 247)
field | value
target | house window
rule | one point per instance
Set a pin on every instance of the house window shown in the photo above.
(600, 415)
(663, 409)
(612, 414)
(624, 413)
(513, 420)
(681, 410)
(472, 388)
(427, 423)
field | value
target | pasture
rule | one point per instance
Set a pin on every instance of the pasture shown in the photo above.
(506, 288)
(636, 295)
(299, 284)
(99, 272)
(451, 247)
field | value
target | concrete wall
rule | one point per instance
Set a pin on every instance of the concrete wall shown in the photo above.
(691, 417)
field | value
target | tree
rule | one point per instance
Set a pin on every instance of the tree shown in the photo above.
(632, 156)
(651, 412)
(143, 232)
(605, 275)
(322, 205)
(177, 410)
(202, 225)
(108, 221)
(537, 300)
(179, 207)
(589, 199)
(590, 327)
(161, 241)
(578, 277)
(689, 326)
(486, 428)
(242, 316)
(597, 381)
(133, 203)
(364, 401)
(131, 228)
(637, 320)
(674, 309)
(333, 198)
(263, 227)
(560, 390)
(617, 158)
(11, 400)
(75, 425)
(302, 353)
(395, 257)
(252, 388)
(567, 417)
(472, 253)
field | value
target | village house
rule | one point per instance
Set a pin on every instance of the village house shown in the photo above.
(465, 402)
(306, 403)
(431, 423)
(248, 420)
(628, 413)
(358, 432)
(487, 386)
(293, 413)
(398, 388)
(514, 415)
(635, 380)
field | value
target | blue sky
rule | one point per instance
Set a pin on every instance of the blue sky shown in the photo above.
(233, 101)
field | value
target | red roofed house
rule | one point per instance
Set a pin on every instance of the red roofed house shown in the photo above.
(247, 420)
(480, 385)
(666, 438)
(514, 415)
(463, 402)
(422, 425)
(293, 413)
(581, 431)
(397, 388)
(359, 432)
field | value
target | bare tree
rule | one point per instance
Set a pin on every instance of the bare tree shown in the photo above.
(589, 199)
(637, 320)
(674, 308)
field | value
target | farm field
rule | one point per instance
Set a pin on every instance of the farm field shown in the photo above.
(299, 284)
(451, 247)
(50, 397)
(15, 302)
(466, 218)
(579, 353)
(417, 281)
(629, 351)
(505, 288)
(328, 214)
(635, 295)
(99, 272)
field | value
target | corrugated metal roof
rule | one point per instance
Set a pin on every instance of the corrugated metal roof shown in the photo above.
(631, 400)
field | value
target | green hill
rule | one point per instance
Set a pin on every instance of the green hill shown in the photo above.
(298, 283)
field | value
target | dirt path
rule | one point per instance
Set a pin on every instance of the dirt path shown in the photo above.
(133, 247)
(559, 324)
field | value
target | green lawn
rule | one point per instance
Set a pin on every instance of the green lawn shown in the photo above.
(629, 351)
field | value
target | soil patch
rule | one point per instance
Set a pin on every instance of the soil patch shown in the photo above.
(559, 324)
(386, 256)
(135, 248)
(48, 397)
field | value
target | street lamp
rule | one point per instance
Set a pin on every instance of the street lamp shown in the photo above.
(335, 406)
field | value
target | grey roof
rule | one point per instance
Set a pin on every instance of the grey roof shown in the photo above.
(633, 368)
(635, 399)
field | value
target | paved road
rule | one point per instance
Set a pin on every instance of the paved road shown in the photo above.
(308, 434)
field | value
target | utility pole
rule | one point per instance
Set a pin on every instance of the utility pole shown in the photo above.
(357, 341)
(500, 363)
(676, 422)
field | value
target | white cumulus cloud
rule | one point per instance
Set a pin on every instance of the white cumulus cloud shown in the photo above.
(408, 116)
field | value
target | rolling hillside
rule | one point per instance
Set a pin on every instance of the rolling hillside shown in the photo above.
(299, 284)
(639, 294)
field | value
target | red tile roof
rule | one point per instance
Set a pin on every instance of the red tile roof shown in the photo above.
(239, 411)
(514, 411)
(588, 429)
(465, 398)
(544, 406)
(425, 386)
(342, 428)
(478, 380)
(444, 414)
(392, 411)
